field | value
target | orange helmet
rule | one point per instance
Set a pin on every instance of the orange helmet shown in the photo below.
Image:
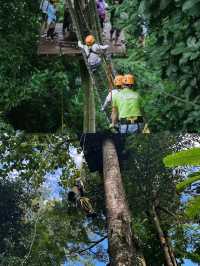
(90, 40)
(118, 81)
(128, 79)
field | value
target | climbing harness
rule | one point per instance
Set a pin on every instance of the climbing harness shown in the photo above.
(86, 204)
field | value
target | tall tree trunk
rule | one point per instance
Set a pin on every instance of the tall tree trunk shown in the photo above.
(120, 237)
(162, 238)
(89, 123)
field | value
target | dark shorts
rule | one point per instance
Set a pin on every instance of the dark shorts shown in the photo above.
(114, 29)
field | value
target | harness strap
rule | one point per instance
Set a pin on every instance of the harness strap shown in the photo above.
(92, 52)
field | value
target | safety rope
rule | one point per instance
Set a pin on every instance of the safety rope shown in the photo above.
(62, 97)
(62, 112)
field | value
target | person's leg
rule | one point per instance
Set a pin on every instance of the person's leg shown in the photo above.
(44, 23)
(111, 34)
(95, 67)
(49, 32)
(117, 34)
(101, 22)
(49, 21)
(64, 24)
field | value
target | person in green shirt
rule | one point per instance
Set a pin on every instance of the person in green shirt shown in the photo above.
(126, 108)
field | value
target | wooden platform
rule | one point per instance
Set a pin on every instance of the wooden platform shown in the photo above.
(58, 46)
(63, 46)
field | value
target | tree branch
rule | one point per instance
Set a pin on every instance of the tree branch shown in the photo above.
(166, 211)
(95, 243)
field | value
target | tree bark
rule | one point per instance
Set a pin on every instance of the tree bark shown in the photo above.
(89, 123)
(120, 237)
(171, 251)
(162, 238)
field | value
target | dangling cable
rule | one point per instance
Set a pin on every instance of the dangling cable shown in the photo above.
(62, 112)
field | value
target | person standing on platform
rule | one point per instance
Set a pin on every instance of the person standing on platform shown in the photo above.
(51, 19)
(101, 9)
(67, 22)
(44, 7)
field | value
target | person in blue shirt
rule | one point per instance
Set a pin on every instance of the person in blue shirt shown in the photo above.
(51, 19)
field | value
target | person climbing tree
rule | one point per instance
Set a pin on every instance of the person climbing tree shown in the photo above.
(117, 86)
(101, 9)
(77, 196)
(93, 51)
(44, 7)
(51, 20)
(116, 20)
(126, 108)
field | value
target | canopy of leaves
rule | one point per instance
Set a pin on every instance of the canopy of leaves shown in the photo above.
(167, 69)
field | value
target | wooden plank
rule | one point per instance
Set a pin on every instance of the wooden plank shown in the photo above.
(61, 45)
(58, 46)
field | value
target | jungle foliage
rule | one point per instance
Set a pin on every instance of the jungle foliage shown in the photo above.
(167, 69)
(42, 227)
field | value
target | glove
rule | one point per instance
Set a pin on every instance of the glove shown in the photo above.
(79, 43)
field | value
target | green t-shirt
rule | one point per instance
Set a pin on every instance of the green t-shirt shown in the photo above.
(127, 103)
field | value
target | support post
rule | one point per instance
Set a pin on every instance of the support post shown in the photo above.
(120, 237)
(89, 123)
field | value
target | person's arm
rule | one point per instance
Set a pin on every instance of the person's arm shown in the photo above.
(107, 101)
(80, 44)
(99, 47)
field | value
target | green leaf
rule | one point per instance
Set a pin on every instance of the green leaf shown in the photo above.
(193, 208)
(189, 4)
(189, 181)
(182, 158)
